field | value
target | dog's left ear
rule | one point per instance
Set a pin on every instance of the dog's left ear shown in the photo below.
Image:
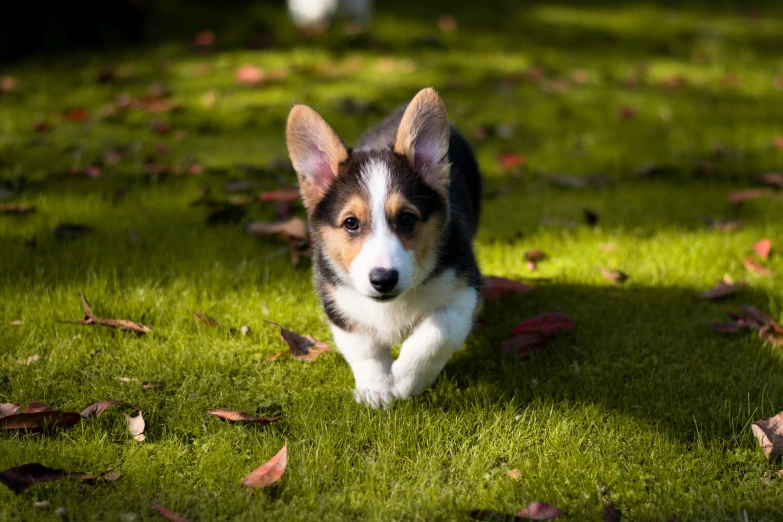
(423, 138)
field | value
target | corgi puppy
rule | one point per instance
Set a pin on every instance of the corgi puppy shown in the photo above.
(392, 223)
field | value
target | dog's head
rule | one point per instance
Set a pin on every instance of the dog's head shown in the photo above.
(377, 216)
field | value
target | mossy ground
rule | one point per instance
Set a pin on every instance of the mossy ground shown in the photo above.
(643, 406)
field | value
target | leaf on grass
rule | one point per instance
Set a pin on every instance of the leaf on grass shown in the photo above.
(167, 513)
(493, 288)
(744, 195)
(774, 179)
(533, 257)
(547, 324)
(99, 407)
(30, 360)
(228, 215)
(41, 421)
(523, 345)
(293, 228)
(612, 514)
(136, 426)
(615, 276)
(729, 327)
(16, 208)
(767, 335)
(607, 247)
(8, 408)
(70, 231)
(510, 161)
(37, 407)
(76, 114)
(722, 289)
(302, 347)
(272, 357)
(762, 248)
(769, 433)
(762, 318)
(249, 75)
(754, 267)
(280, 195)
(21, 478)
(270, 472)
(204, 318)
(236, 416)
(540, 511)
(121, 324)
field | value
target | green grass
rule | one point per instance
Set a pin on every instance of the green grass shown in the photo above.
(643, 406)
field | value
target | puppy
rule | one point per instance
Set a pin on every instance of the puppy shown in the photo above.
(392, 223)
(318, 14)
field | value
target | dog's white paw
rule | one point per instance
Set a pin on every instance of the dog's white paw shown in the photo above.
(409, 384)
(375, 395)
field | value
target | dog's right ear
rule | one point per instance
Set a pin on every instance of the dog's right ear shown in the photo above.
(315, 151)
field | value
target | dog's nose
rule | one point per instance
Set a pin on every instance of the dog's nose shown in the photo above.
(384, 280)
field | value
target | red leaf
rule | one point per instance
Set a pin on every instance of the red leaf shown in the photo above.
(167, 513)
(16, 208)
(99, 407)
(249, 75)
(279, 195)
(37, 407)
(270, 472)
(742, 195)
(493, 288)
(540, 511)
(509, 160)
(762, 248)
(547, 324)
(204, 38)
(42, 126)
(447, 23)
(302, 347)
(76, 114)
(722, 289)
(235, 415)
(21, 478)
(755, 267)
(523, 345)
(43, 421)
(774, 179)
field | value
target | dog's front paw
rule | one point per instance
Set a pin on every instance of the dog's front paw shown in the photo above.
(376, 395)
(408, 383)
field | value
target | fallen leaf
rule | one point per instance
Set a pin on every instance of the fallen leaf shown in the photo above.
(607, 247)
(121, 324)
(39, 422)
(774, 179)
(533, 257)
(270, 472)
(167, 513)
(762, 318)
(204, 318)
(70, 231)
(615, 276)
(236, 416)
(547, 325)
(77, 114)
(161, 127)
(8, 84)
(729, 327)
(612, 514)
(41, 504)
(762, 248)
(249, 75)
(21, 478)
(16, 323)
(293, 228)
(493, 288)
(37, 407)
(302, 348)
(8, 408)
(514, 474)
(722, 289)
(509, 161)
(272, 357)
(769, 433)
(281, 195)
(99, 407)
(447, 23)
(753, 266)
(30, 360)
(767, 335)
(540, 511)
(204, 38)
(743, 195)
(18, 209)
(42, 126)
(523, 345)
(136, 426)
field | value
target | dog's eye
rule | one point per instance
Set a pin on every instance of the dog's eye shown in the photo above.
(351, 223)
(407, 220)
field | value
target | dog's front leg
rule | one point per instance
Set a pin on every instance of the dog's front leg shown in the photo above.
(424, 354)
(371, 363)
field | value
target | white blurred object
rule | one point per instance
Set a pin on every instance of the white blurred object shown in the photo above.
(307, 14)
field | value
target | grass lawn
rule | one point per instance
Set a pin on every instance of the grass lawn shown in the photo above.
(643, 406)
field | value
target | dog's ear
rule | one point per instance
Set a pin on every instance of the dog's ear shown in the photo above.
(315, 151)
(423, 138)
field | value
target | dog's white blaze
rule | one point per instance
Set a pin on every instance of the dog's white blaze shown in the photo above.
(381, 249)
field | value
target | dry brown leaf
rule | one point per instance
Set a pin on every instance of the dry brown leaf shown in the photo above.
(167, 513)
(302, 347)
(762, 248)
(523, 345)
(272, 357)
(21, 478)
(514, 474)
(30, 360)
(533, 257)
(615, 276)
(540, 511)
(37, 407)
(753, 266)
(270, 472)
(204, 318)
(41, 421)
(743, 195)
(8, 408)
(136, 426)
(769, 433)
(498, 287)
(293, 228)
(16, 208)
(236, 416)
(249, 75)
(121, 324)
(99, 407)
(722, 289)
(612, 514)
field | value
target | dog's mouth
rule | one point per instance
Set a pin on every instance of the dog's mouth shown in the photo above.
(384, 297)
